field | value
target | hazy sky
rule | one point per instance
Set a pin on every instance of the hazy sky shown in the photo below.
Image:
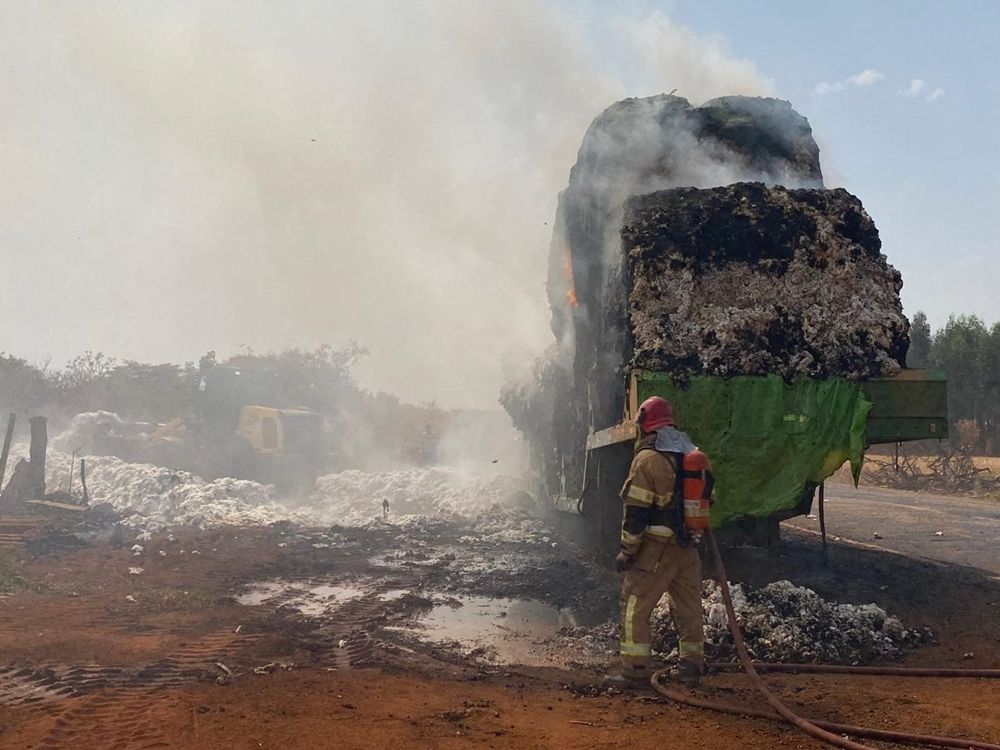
(184, 176)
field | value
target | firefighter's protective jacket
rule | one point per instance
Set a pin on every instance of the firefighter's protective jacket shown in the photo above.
(648, 495)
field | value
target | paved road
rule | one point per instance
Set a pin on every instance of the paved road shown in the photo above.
(908, 522)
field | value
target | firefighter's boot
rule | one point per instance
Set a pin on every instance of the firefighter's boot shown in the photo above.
(627, 677)
(686, 672)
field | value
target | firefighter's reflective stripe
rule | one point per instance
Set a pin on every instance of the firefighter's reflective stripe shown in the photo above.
(640, 496)
(696, 509)
(640, 650)
(643, 496)
(628, 636)
(630, 540)
(628, 645)
(688, 649)
(661, 532)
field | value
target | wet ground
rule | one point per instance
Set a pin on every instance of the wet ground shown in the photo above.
(398, 634)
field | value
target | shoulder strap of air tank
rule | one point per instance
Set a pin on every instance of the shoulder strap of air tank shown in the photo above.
(677, 462)
(682, 537)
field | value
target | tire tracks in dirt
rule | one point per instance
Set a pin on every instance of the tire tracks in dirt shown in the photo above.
(112, 707)
(118, 719)
(340, 637)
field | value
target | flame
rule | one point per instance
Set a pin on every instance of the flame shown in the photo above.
(568, 273)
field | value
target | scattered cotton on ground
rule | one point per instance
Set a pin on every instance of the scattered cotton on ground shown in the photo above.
(782, 622)
(154, 498)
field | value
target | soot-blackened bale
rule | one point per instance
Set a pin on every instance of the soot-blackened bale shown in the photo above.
(752, 280)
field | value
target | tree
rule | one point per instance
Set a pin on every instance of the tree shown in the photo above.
(961, 350)
(919, 352)
(207, 361)
(152, 393)
(319, 379)
(990, 422)
(85, 369)
(83, 382)
(23, 387)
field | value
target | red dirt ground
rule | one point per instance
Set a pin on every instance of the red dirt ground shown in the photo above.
(72, 610)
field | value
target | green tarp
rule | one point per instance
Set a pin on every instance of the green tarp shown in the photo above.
(767, 439)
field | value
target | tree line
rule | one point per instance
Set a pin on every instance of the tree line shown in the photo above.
(321, 379)
(965, 348)
(968, 351)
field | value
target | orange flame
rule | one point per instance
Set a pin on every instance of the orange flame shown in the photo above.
(568, 272)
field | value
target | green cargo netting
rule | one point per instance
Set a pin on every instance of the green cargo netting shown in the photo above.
(767, 439)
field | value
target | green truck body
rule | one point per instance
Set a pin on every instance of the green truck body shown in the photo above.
(772, 443)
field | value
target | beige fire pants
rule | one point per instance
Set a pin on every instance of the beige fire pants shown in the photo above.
(662, 567)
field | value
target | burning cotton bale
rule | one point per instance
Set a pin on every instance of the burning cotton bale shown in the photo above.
(634, 147)
(638, 146)
(752, 280)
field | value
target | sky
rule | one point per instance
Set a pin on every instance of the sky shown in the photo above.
(180, 176)
(903, 98)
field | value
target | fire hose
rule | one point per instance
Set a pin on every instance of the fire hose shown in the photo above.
(829, 732)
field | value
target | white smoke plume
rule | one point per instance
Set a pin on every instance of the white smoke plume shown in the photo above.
(182, 176)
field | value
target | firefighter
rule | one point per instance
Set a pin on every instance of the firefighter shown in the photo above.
(657, 554)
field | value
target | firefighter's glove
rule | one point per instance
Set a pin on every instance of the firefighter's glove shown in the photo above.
(624, 562)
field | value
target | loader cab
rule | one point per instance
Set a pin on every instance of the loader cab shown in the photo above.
(280, 432)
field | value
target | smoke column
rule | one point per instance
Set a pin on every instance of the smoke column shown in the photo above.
(184, 176)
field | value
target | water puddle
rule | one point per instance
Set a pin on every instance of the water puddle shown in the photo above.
(502, 631)
(309, 598)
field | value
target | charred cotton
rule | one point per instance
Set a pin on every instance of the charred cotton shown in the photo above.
(754, 280)
(782, 622)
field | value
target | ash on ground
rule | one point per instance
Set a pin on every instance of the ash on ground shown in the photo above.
(782, 622)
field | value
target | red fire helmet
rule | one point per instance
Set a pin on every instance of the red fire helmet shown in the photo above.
(654, 413)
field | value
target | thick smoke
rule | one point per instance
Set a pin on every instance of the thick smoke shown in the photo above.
(186, 176)
(635, 146)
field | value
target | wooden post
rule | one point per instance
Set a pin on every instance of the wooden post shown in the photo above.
(36, 455)
(597, 515)
(72, 465)
(822, 521)
(83, 480)
(7, 438)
